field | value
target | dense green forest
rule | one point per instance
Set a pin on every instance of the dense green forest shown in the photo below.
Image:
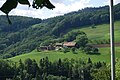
(25, 34)
(66, 69)
(58, 70)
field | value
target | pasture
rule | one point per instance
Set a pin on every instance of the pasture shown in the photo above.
(55, 55)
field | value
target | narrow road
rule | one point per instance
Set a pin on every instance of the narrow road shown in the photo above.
(105, 45)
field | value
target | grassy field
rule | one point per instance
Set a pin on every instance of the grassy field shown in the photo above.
(102, 32)
(55, 55)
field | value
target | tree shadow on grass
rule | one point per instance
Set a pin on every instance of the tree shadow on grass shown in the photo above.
(93, 53)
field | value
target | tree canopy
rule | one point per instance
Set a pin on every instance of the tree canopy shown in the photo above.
(12, 4)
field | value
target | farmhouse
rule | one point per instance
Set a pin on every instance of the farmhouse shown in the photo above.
(58, 46)
(44, 48)
(69, 44)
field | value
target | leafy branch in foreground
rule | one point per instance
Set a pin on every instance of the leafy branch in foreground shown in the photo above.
(12, 4)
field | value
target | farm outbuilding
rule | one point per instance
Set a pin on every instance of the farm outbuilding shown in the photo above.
(69, 44)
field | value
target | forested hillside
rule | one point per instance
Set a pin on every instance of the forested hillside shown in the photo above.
(25, 34)
(12, 36)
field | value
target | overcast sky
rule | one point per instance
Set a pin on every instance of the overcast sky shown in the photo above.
(62, 7)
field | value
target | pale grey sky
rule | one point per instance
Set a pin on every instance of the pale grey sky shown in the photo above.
(62, 7)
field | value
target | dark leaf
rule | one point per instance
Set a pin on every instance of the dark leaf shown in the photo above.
(8, 6)
(37, 4)
(41, 3)
(48, 4)
(26, 2)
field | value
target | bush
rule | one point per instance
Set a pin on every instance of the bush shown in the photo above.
(91, 50)
(66, 49)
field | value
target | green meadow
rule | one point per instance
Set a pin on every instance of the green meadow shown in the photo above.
(102, 32)
(99, 33)
(55, 55)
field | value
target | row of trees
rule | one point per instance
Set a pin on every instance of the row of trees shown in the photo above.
(58, 70)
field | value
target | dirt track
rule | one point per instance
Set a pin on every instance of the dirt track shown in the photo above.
(105, 45)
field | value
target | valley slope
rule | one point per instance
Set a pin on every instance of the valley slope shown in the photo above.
(100, 33)
(25, 34)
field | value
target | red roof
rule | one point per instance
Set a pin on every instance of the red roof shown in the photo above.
(69, 44)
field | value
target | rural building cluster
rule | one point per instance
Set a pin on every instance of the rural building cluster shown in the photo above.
(57, 46)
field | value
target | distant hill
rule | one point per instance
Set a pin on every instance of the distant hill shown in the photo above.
(12, 36)
(25, 34)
